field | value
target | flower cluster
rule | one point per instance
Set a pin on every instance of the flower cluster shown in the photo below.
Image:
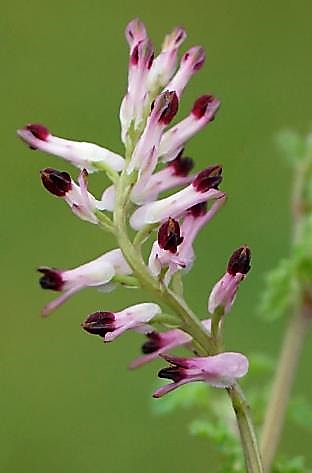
(154, 162)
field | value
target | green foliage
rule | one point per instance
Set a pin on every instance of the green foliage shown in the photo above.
(293, 465)
(279, 292)
(300, 412)
(292, 145)
(195, 395)
(261, 364)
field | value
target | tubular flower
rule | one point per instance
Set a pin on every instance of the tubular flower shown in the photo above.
(97, 273)
(133, 106)
(219, 371)
(144, 157)
(153, 162)
(224, 292)
(192, 61)
(173, 175)
(203, 188)
(165, 63)
(83, 155)
(82, 203)
(162, 342)
(203, 112)
(109, 325)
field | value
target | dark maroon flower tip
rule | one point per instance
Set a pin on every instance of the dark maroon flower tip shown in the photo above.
(204, 104)
(209, 178)
(198, 210)
(239, 261)
(56, 182)
(38, 130)
(169, 235)
(198, 58)
(174, 373)
(169, 103)
(181, 166)
(152, 344)
(51, 279)
(134, 58)
(99, 323)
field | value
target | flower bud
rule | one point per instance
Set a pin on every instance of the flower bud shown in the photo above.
(239, 261)
(39, 131)
(181, 166)
(56, 182)
(169, 237)
(204, 105)
(209, 178)
(51, 279)
(99, 323)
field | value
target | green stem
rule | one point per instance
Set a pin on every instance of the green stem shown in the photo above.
(287, 367)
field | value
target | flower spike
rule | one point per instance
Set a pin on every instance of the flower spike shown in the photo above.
(219, 371)
(110, 325)
(87, 156)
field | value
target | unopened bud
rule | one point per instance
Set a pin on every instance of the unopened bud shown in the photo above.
(204, 105)
(169, 237)
(181, 165)
(99, 323)
(56, 182)
(38, 130)
(51, 279)
(239, 261)
(209, 178)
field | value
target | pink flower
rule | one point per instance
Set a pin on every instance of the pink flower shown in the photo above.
(97, 273)
(135, 101)
(135, 32)
(82, 203)
(224, 292)
(87, 156)
(162, 342)
(111, 325)
(173, 175)
(144, 157)
(191, 62)
(203, 188)
(173, 140)
(219, 371)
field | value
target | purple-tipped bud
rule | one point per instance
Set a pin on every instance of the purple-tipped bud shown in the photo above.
(169, 103)
(135, 32)
(142, 55)
(204, 104)
(38, 130)
(169, 237)
(99, 323)
(239, 261)
(196, 57)
(181, 165)
(209, 178)
(51, 279)
(56, 182)
(198, 210)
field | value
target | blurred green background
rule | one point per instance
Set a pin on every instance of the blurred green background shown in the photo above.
(68, 403)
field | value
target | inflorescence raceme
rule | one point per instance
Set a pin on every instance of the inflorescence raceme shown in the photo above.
(154, 162)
